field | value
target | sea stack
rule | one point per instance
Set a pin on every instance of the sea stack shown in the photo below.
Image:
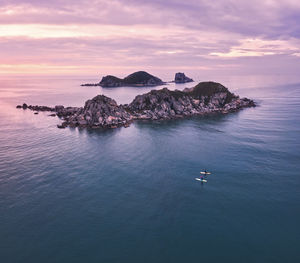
(182, 78)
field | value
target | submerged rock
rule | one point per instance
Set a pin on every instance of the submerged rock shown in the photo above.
(182, 78)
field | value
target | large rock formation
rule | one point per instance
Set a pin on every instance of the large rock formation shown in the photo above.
(111, 81)
(206, 97)
(182, 78)
(140, 78)
(101, 111)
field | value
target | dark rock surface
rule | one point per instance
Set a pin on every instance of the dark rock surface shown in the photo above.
(90, 84)
(104, 112)
(142, 78)
(182, 78)
(100, 111)
(206, 97)
(111, 81)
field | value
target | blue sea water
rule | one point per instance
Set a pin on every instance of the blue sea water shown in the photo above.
(130, 194)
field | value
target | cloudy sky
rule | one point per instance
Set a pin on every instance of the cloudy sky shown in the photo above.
(89, 37)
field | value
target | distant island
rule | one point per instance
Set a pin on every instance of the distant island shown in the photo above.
(163, 104)
(182, 78)
(136, 79)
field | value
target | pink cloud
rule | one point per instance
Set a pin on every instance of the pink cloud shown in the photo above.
(72, 36)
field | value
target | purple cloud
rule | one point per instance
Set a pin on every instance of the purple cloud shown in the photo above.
(138, 34)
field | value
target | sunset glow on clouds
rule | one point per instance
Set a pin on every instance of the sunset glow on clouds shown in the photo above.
(86, 37)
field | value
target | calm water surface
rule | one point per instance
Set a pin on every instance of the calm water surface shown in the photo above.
(130, 195)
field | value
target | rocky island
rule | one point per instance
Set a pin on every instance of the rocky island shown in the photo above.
(163, 104)
(182, 78)
(136, 79)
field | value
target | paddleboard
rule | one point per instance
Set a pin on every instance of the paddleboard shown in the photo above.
(205, 172)
(201, 180)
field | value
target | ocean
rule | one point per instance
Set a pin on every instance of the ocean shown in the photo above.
(130, 194)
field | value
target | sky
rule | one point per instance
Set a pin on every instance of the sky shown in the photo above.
(92, 37)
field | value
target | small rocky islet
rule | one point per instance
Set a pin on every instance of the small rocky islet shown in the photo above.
(164, 104)
(180, 77)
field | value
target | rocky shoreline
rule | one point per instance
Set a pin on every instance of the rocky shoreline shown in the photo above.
(163, 104)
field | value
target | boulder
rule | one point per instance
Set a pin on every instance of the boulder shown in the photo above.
(62, 126)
